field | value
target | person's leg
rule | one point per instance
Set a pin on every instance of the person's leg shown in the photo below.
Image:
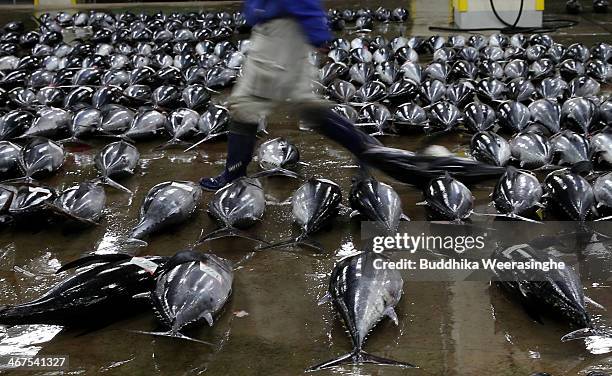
(249, 102)
(246, 112)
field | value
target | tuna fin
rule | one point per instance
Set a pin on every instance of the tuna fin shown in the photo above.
(603, 219)
(274, 201)
(580, 333)
(109, 257)
(228, 232)
(404, 217)
(142, 295)
(136, 242)
(381, 133)
(174, 143)
(354, 214)
(511, 216)
(21, 179)
(127, 139)
(325, 298)
(209, 319)
(207, 138)
(358, 357)
(390, 312)
(593, 303)
(111, 183)
(196, 144)
(74, 141)
(278, 171)
(421, 203)
(300, 240)
(63, 213)
(173, 335)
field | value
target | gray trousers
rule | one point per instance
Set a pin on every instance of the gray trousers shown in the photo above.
(276, 70)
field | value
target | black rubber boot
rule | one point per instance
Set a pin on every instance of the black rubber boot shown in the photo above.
(573, 6)
(239, 154)
(600, 6)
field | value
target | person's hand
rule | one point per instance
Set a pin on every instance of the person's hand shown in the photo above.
(323, 50)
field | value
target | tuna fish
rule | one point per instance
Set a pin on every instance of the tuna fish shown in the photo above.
(78, 298)
(531, 150)
(41, 157)
(237, 205)
(517, 194)
(277, 157)
(116, 160)
(448, 199)
(190, 288)
(314, 203)
(558, 290)
(83, 203)
(363, 294)
(166, 204)
(489, 147)
(569, 193)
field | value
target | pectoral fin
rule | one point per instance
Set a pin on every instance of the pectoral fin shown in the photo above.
(390, 312)
(208, 317)
(324, 299)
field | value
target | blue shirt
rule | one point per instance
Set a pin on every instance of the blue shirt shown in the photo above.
(309, 13)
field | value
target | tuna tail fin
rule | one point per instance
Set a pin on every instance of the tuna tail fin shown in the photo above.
(359, 357)
(581, 333)
(228, 232)
(172, 335)
(278, 171)
(300, 240)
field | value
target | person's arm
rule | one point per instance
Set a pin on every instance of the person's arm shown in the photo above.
(312, 17)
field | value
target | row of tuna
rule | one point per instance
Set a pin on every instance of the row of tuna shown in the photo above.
(191, 288)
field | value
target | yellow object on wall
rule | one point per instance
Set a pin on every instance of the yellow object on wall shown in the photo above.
(461, 5)
(539, 5)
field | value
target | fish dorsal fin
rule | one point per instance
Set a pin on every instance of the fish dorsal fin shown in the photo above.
(390, 312)
(110, 257)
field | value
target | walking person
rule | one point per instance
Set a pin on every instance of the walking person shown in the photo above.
(276, 70)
